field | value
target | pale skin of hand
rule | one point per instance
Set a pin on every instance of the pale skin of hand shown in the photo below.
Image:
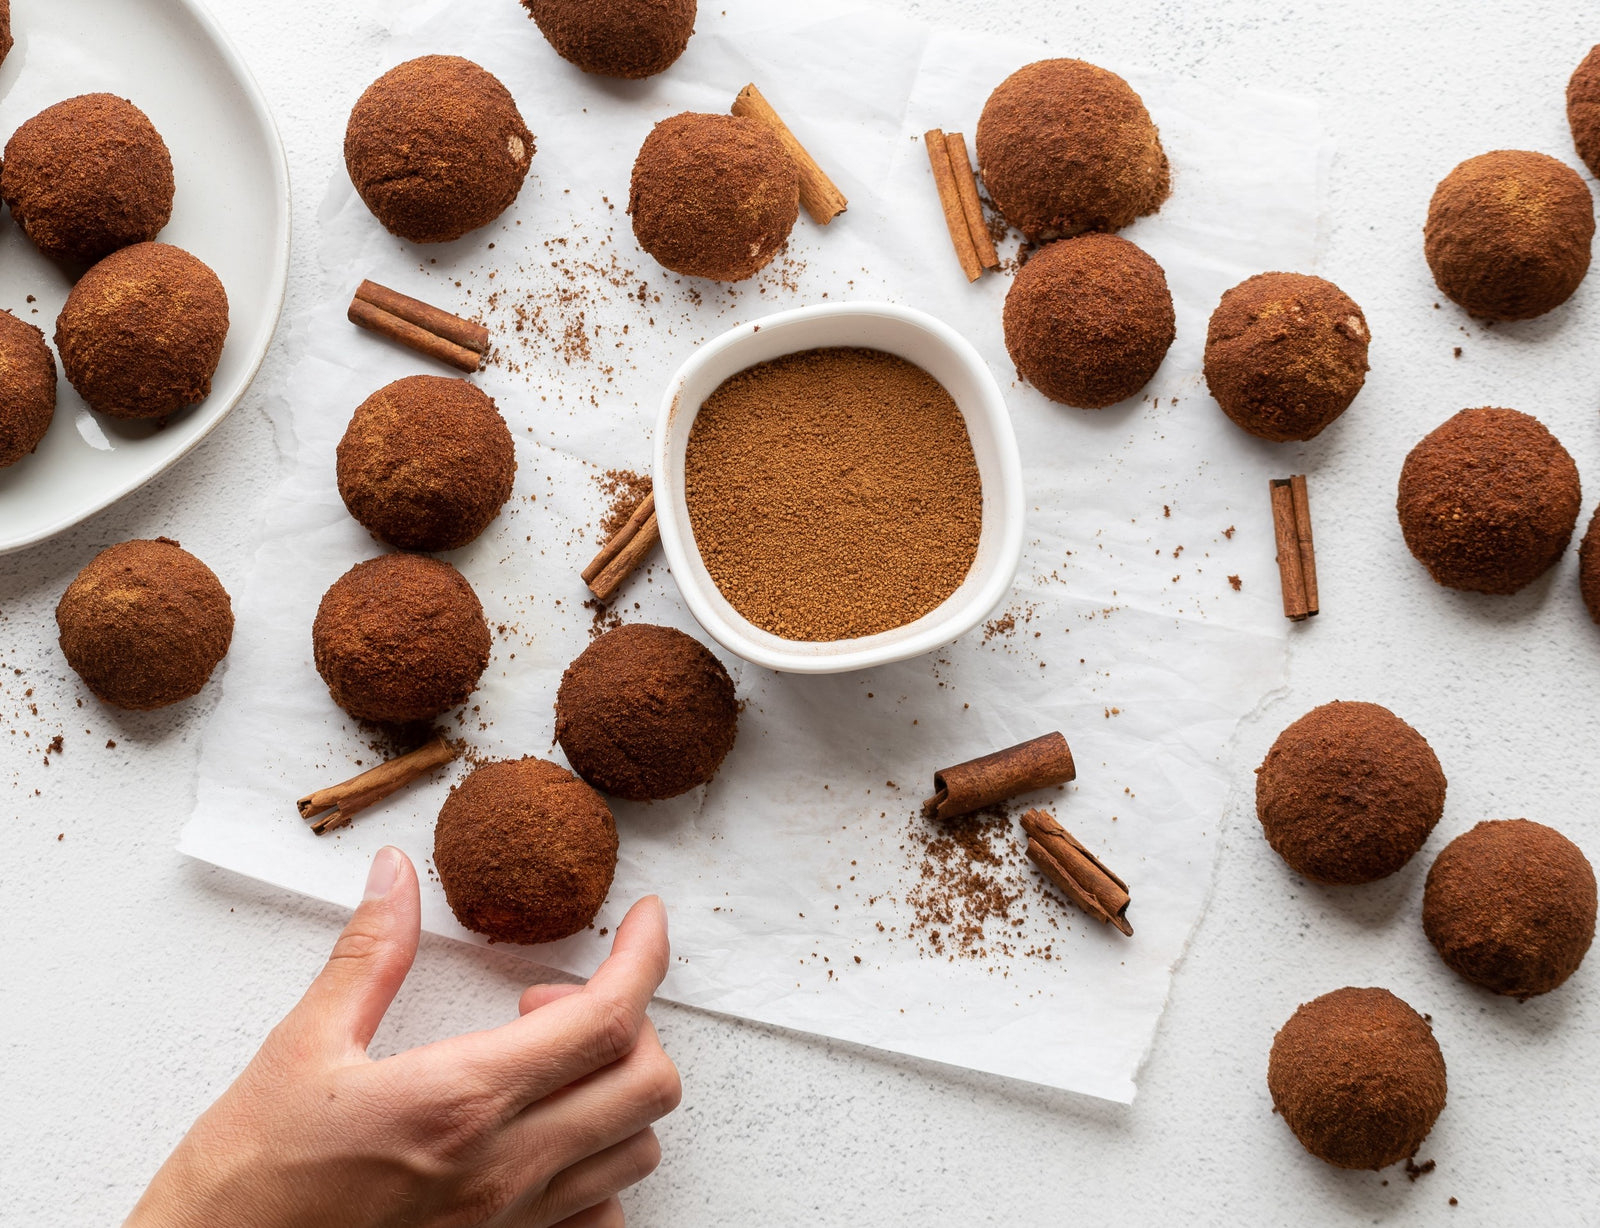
(534, 1124)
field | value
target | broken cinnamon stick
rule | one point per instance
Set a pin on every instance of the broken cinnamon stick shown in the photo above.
(338, 803)
(1079, 874)
(624, 552)
(819, 194)
(1297, 565)
(971, 206)
(419, 326)
(991, 779)
(955, 217)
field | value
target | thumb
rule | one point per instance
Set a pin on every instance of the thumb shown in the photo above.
(347, 1001)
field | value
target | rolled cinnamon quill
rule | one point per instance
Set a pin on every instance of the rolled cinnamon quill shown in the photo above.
(971, 205)
(819, 194)
(1076, 872)
(420, 326)
(337, 804)
(992, 779)
(955, 217)
(1297, 556)
(620, 556)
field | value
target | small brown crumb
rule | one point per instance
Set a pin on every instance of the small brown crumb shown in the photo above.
(1236, 583)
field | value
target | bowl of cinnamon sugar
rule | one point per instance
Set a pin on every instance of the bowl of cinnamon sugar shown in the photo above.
(838, 487)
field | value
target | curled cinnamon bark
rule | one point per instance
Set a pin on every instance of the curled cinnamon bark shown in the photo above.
(991, 779)
(971, 206)
(419, 326)
(337, 804)
(1297, 560)
(955, 217)
(1078, 873)
(624, 552)
(819, 194)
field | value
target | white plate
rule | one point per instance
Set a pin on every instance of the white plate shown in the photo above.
(231, 210)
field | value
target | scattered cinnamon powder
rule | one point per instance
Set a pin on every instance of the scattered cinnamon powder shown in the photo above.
(624, 491)
(833, 493)
(972, 887)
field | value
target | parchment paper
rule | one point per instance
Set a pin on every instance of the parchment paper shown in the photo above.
(1124, 630)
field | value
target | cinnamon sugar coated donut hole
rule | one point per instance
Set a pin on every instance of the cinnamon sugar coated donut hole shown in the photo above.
(426, 463)
(400, 638)
(27, 388)
(1359, 1078)
(1349, 793)
(646, 713)
(144, 624)
(1065, 146)
(1510, 905)
(1286, 353)
(713, 196)
(525, 851)
(1488, 500)
(616, 38)
(1589, 567)
(1583, 109)
(1508, 234)
(142, 332)
(1089, 320)
(6, 41)
(88, 176)
(436, 148)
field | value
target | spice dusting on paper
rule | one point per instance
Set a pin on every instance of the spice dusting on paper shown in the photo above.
(624, 490)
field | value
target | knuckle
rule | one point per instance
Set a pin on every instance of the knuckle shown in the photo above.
(644, 1156)
(357, 943)
(456, 1127)
(489, 1195)
(616, 1029)
(663, 1086)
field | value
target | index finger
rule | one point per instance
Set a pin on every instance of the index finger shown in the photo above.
(575, 1035)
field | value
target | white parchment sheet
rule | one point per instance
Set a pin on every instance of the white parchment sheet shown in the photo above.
(1126, 632)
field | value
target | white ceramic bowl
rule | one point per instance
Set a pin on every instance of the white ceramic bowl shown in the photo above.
(916, 337)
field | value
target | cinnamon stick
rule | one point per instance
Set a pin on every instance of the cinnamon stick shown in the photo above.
(955, 217)
(338, 803)
(819, 194)
(971, 206)
(419, 326)
(614, 544)
(468, 334)
(1291, 527)
(993, 778)
(625, 551)
(1081, 876)
(1302, 524)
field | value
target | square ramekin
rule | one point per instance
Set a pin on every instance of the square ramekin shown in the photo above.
(916, 337)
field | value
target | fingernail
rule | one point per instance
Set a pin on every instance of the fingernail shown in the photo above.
(385, 869)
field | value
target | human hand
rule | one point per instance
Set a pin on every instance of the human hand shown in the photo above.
(536, 1123)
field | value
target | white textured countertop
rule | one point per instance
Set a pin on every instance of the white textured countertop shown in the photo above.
(138, 983)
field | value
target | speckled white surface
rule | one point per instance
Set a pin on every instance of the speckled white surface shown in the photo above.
(137, 982)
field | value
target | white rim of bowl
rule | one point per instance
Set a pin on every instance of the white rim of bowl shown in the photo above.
(678, 544)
